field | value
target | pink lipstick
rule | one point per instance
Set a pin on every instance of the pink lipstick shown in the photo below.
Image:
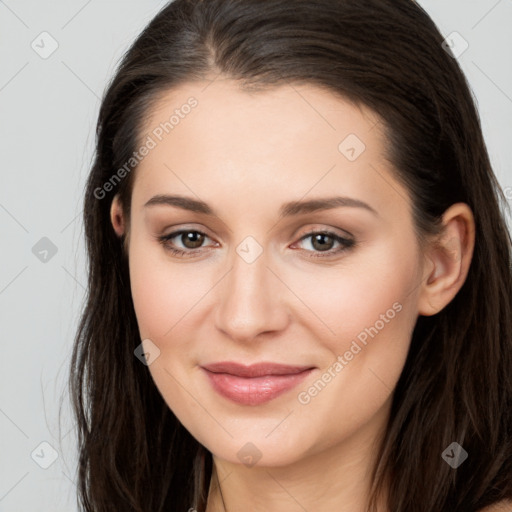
(254, 384)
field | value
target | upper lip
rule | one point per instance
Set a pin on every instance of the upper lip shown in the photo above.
(254, 370)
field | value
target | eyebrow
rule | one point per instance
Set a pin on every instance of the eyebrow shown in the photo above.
(289, 209)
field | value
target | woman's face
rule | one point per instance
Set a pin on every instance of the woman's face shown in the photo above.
(264, 278)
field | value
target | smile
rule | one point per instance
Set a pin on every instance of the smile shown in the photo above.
(255, 384)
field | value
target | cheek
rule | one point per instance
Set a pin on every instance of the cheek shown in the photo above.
(370, 289)
(379, 316)
(371, 312)
(158, 294)
(149, 299)
(162, 295)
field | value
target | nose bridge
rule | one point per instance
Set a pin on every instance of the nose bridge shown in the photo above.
(249, 298)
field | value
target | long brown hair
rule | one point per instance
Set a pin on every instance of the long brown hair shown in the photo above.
(456, 386)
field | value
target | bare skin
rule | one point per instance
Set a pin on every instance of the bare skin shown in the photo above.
(245, 155)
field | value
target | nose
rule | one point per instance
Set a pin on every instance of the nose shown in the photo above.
(252, 300)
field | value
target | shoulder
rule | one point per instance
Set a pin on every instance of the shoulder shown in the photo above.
(501, 506)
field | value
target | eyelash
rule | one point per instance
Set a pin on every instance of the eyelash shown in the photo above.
(345, 242)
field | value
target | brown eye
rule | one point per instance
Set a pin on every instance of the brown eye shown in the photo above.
(191, 241)
(323, 242)
(194, 238)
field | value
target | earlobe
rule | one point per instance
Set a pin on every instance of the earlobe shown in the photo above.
(449, 260)
(117, 217)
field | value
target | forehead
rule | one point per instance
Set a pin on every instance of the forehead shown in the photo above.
(224, 107)
(288, 140)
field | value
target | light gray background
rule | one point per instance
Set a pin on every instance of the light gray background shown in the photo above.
(48, 109)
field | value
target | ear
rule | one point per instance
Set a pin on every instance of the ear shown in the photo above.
(117, 216)
(448, 260)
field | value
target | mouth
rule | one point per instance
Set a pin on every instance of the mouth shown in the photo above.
(255, 384)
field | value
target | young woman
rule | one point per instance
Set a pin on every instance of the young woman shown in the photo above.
(300, 287)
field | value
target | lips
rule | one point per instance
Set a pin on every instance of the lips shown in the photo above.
(254, 384)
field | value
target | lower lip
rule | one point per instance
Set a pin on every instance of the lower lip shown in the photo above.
(255, 390)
